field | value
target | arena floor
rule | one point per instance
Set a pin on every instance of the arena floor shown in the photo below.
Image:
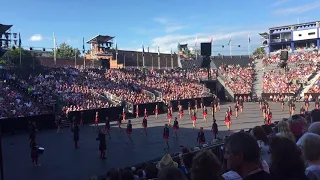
(61, 161)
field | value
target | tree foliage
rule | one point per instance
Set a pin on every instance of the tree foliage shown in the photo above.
(12, 58)
(66, 51)
(259, 51)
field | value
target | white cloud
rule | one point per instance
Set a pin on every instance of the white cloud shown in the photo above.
(171, 29)
(279, 2)
(36, 37)
(298, 10)
(161, 20)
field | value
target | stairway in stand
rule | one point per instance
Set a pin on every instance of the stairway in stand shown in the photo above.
(257, 84)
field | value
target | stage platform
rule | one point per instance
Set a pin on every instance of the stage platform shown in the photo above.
(62, 161)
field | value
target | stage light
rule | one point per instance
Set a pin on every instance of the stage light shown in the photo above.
(30, 49)
(222, 46)
(13, 47)
(238, 45)
(43, 49)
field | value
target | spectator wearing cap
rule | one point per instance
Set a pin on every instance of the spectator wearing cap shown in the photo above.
(310, 146)
(286, 160)
(166, 161)
(242, 153)
(170, 173)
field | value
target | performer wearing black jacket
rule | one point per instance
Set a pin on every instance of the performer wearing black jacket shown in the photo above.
(107, 124)
(129, 131)
(33, 129)
(102, 144)
(34, 153)
(145, 125)
(75, 131)
(166, 136)
(214, 128)
(201, 138)
(175, 127)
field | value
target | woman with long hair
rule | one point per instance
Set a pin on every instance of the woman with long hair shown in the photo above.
(262, 140)
(284, 131)
(286, 159)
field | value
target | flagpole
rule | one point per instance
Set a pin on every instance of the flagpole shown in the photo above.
(54, 50)
(159, 67)
(171, 59)
(230, 48)
(152, 61)
(84, 54)
(143, 56)
(20, 57)
(124, 61)
(249, 45)
(137, 61)
(166, 63)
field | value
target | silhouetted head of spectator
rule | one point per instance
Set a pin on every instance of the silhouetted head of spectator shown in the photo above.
(151, 171)
(267, 129)
(113, 175)
(286, 159)
(242, 153)
(206, 166)
(127, 175)
(259, 134)
(315, 115)
(314, 128)
(170, 173)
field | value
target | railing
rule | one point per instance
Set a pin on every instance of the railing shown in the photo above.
(158, 94)
(113, 98)
(150, 94)
(221, 79)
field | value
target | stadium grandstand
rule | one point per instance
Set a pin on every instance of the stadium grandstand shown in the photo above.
(125, 88)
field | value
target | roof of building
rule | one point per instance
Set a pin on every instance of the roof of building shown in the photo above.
(300, 24)
(100, 39)
(4, 28)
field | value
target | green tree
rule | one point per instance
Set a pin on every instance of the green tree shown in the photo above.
(66, 51)
(12, 58)
(259, 51)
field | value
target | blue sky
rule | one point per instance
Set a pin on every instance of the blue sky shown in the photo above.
(153, 22)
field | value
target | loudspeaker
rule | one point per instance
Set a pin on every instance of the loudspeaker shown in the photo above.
(205, 49)
(284, 55)
(206, 62)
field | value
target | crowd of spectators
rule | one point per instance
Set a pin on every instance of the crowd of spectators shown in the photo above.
(301, 66)
(286, 150)
(14, 104)
(315, 87)
(238, 79)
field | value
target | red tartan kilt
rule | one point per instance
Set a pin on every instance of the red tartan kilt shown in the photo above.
(169, 116)
(165, 137)
(129, 132)
(146, 115)
(156, 112)
(123, 116)
(193, 118)
(227, 120)
(181, 113)
(204, 113)
(137, 113)
(96, 120)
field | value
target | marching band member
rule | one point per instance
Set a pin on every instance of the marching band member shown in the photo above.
(145, 125)
(123, 115)
(129, 131)
(316, 104)
(228, 120)
(205, 112)
(169, 116)
(302, 110)
(218, 105)
(108, 127)
(189, 108)
(102, 144)
(236, 109)
(306, 103)
(137, 111)
(241, 106)
(166, 136)
(156, 111)
(176, 127)
(269, 118)
(282, 104)
(120, 122)
(34, 153)
(194, 119)
(201, 138)
(75, 131)
(180, 112)
(196, 105)
(96, 119)
(145, 113)
(214, 128)
(81, 118)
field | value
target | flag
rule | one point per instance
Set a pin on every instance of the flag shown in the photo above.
(171, 52)
(196, 41)
(211, 41)
(229, 41)
(249, 40)
(148, 49)
(158, 51)
(178, 46)
(142, 50)
(19, 41)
